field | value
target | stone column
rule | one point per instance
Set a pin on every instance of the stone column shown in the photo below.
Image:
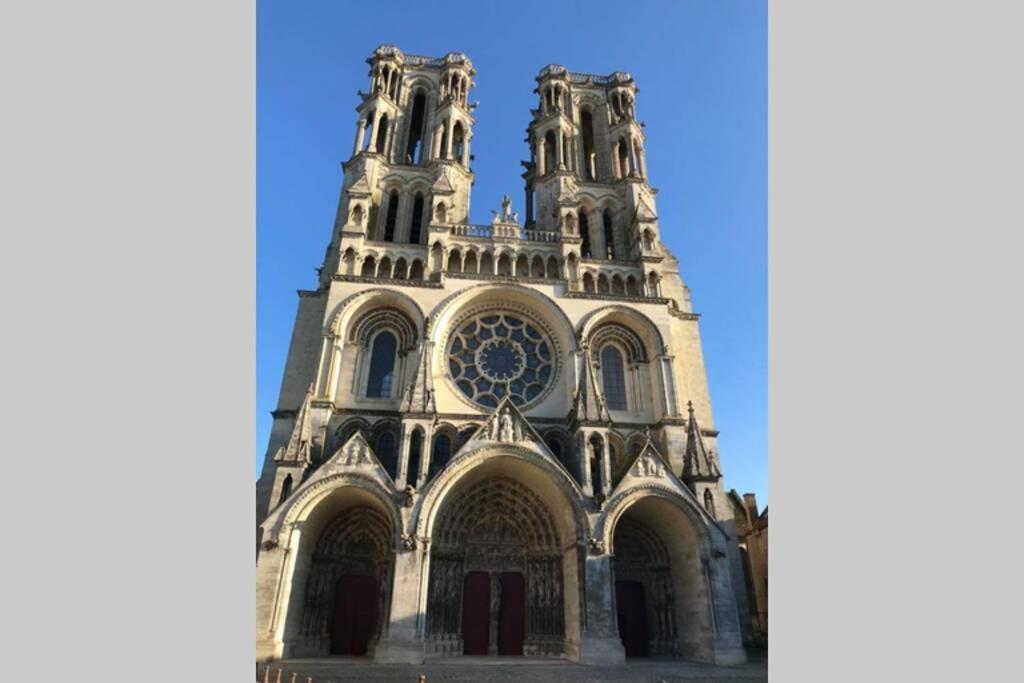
(323, 372)
(449, 127)
(465, 151)
(540, 156)
(668, 384)
(403, 456)
(402, 640)
(561, 150)
(583, 449)
(492, 643)
(606, 466)
(600, 644)
(376, 130)
(360, 133)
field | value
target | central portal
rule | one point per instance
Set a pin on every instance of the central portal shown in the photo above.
(493, 613)
(495, 585)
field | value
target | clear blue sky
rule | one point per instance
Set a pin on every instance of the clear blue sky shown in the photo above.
(701, 70)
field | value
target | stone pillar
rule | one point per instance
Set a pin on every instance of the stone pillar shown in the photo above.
(360, 133)
(727, 646)
(492, 643)
(600, 644)
(376, 131)
(583, 449)
(606, 466)
(449, 127)
(403, 455)
(402, 640)
(465, 151)
(389, 141)
(540, 156)
(668, 383)
(561, 150)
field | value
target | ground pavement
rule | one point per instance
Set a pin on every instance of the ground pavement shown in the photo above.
(518, 670)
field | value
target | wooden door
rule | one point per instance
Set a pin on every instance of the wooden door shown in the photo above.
(632, 617)
(355, 615)
(476, 613)
(512, 614)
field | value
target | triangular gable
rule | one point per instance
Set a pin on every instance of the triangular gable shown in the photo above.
(650, 465)
(442, 185)
(589, 403)
(697, 461)
(360, 188)
(644, 212)
(419, 395)
(356, 453)
(506, 425)
(299, 445)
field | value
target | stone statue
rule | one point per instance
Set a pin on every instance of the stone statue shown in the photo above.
(507, 430)
(493, 430)
(506, 208)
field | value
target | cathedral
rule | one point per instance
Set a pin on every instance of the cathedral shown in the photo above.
(496, 440)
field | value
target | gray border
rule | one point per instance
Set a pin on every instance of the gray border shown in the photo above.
(128, 218)
(895, 152)
(895, 144)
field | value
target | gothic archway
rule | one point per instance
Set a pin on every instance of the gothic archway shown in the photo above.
(347, 591)
(644, 593)
(496, 568)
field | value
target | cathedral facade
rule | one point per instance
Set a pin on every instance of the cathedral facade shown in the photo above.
(496, 439)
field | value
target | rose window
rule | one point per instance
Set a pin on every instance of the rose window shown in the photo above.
(500, 354)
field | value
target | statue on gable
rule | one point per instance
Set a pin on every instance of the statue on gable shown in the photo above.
(506, 208)
(507, 433)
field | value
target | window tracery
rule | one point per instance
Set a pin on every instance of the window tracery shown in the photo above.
(500, 353)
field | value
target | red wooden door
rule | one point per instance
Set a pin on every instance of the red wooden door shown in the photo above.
(476, 613)
(355, 615)
(512, 614)
(632, 616)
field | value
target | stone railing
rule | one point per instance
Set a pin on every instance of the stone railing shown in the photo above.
(501, 231)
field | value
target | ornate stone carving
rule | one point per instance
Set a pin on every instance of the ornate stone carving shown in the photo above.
(269, 544)
(408, 542)
(410, 493)
(646, 466)
(597, 546)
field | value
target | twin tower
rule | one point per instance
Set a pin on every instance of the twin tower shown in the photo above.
(410, 176)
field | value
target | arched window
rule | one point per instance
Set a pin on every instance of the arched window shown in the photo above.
(369, 267)
(382, 366)
(609, 234)
(391, 217)
(709, 503)
(415, 228)
(596, 446)
(414, 150)
(385, 450)
(589, 160)
(442, 453)
(458, 141)
(555, 446)
(368, 132)
(585, 236)
(412, 473)
(550, 158)
(382, 133)
(614, 377)
(286, 489)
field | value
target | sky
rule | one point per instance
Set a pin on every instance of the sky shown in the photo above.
(701, 70)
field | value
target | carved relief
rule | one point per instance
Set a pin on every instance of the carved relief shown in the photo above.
(646, 466)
